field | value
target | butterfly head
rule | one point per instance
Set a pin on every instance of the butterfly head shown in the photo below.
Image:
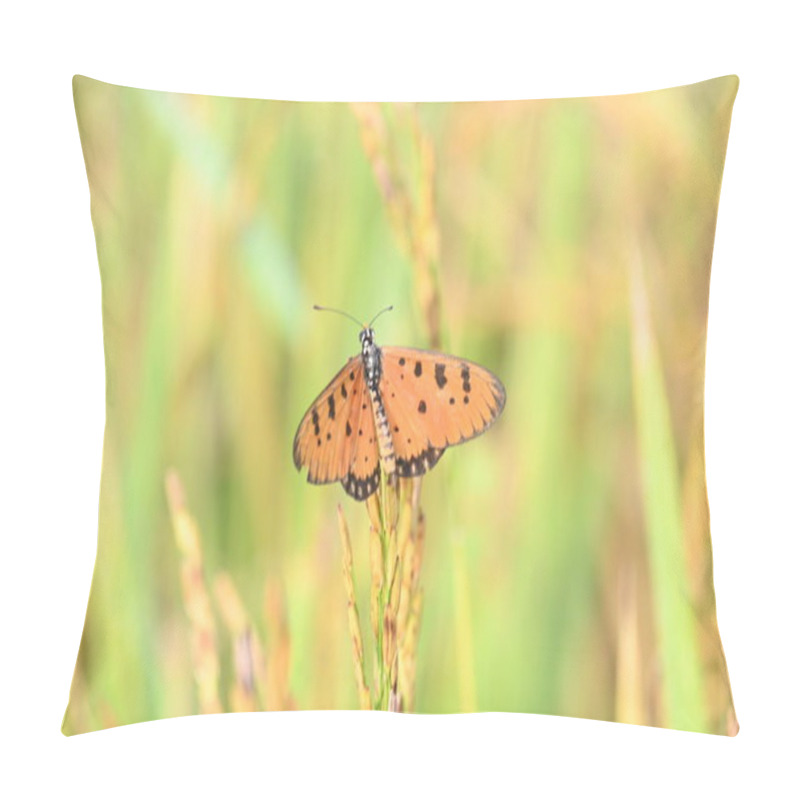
(367, 338)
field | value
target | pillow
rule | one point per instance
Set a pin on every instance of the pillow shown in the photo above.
(498, 501)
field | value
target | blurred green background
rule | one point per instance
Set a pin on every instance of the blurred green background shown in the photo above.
(564, 244)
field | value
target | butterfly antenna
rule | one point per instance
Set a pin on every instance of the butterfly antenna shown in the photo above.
(382, 311)
(343, 313)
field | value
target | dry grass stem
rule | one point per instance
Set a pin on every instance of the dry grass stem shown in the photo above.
(411, 213)
(260, 682)
(630, 694)
(248, 689)
(410, 607)
(278, 693)
(396, 536)
(352, 613)
(205, 659)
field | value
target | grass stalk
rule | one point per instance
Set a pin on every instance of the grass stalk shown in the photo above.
(677, 634)
(279, 696)
(205, 658)
(396, 534)
(352, 613)
(411, 213)
(249, 682)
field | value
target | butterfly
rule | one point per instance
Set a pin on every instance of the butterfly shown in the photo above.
(396, 409)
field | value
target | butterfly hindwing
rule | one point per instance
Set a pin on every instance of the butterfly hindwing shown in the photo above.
(434, 401)
(336, 437)
(363, 471)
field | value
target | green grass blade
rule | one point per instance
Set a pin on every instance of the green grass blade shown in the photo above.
(681, 669)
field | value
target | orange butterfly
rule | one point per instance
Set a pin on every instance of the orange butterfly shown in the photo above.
(394, 407)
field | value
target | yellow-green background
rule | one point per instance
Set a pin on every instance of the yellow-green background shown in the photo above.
(568, 565)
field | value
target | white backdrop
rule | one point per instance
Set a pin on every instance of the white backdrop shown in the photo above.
(52, 397)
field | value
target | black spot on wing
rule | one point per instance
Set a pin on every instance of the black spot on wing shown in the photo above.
(344, 391)
(422, 408)
(465, 385)
(315, 421)
(438, 372)
(331, 407)
(418, 368)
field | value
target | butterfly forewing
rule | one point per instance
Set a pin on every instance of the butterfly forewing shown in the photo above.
(434, 401)
(325, 441)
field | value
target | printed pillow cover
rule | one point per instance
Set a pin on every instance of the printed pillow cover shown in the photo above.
(267, 543)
